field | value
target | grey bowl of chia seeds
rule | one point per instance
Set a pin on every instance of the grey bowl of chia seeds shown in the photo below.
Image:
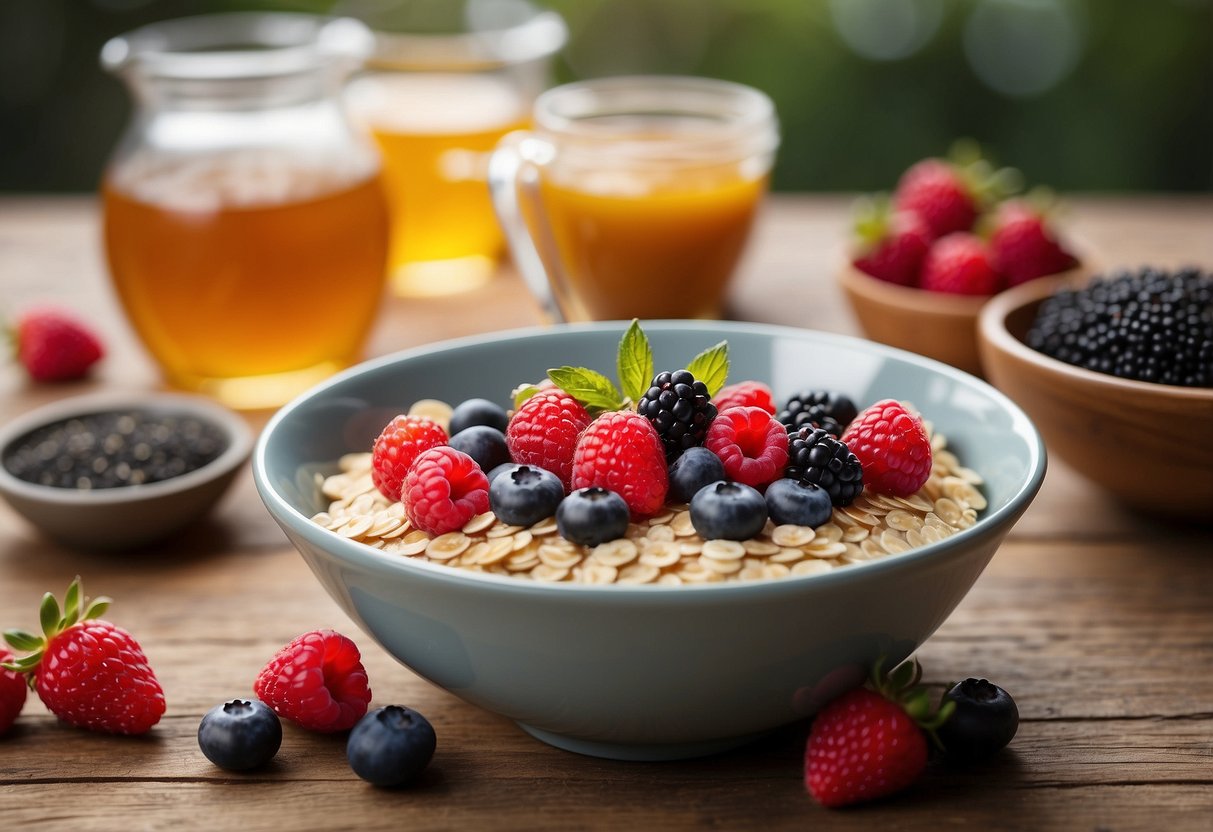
(115, 471)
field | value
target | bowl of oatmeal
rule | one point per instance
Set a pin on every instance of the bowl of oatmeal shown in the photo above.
(659, 644)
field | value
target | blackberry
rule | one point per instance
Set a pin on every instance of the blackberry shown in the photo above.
(816, 456)
(1150, 325)
(818, 408)
(680, 409)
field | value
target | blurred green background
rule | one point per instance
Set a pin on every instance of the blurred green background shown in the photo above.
(1079, 94)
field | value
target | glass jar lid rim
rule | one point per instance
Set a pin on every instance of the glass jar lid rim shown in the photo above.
(238, 45)
(538, 37)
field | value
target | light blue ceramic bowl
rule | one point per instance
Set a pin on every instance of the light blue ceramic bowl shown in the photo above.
(648, 672)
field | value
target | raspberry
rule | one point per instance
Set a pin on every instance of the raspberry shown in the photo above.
(751, 443)
(54, 346)
(960, 264)
(12, 693)
(745, 394)
(893, 447)
(543, 432)
(316, 681)
(444, 489)
(397, 447)
(621, 452)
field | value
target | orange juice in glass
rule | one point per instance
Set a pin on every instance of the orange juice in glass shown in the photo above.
(245, 224)
(634, 197)
(437, 103)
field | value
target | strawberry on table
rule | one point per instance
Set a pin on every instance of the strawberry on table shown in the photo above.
(88, 672)
(872, 741)
(1023, 244)
(959, 264)
(12, 693)
(939, 193)
(53, 345)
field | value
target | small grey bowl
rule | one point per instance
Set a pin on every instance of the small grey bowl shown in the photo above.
(645, 672)
(133, 515)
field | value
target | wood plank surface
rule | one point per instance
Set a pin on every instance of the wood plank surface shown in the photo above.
(1098, 621)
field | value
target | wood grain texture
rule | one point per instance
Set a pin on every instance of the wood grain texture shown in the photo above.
(1100, 622)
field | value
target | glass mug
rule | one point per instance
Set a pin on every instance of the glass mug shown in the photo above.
(245, 225)
(437, 103)
(634, 196)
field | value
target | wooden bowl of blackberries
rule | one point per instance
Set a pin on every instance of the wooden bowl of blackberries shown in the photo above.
(119, 471)
(1117, 374)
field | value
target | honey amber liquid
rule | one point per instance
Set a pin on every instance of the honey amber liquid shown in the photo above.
(649, 245)
(249, 282)
(435, 133)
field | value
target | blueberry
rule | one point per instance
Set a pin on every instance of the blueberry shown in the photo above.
(240, 734)
(728, 511)
(484, 444)
(499, 470)
(798, 503)
(590, 516)
(522, 495)
(391, 745)
(984, 721)
(477, 412)
(696, 468)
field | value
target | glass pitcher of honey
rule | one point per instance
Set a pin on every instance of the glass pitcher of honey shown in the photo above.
(246, 228)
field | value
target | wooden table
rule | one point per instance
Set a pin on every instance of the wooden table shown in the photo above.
(1098, 622)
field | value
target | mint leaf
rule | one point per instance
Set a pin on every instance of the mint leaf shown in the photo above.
(711, 367)
(523, 392)
(635, 363)
(592, 389)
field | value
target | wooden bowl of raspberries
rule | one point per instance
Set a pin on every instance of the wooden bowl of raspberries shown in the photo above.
(953, 235)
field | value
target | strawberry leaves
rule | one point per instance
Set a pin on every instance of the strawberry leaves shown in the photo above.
(635, 368)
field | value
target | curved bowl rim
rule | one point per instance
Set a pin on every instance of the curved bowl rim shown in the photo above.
(362, 556)
(239, 446)
(992, 329)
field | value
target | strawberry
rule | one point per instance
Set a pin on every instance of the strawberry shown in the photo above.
(397, 446)
(892, 446)
(443, 490)
(871, 742)
(938, 192)
(1023, 246)
(543, 432)
(891, 245)
(54, 346)
(745, 394)
(959, 264)
(621, 452)
(86, 671)
(317, 681)
(12, 693)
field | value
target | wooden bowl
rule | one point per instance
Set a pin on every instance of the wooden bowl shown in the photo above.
(1149, 445)
(935, 324)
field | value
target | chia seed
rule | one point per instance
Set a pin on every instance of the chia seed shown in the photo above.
(113, 449)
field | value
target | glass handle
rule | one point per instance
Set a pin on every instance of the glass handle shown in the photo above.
(509, 173)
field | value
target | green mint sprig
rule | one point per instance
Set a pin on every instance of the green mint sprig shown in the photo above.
(635, 368)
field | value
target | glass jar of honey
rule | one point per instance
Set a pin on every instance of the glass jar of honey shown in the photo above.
(246, 228)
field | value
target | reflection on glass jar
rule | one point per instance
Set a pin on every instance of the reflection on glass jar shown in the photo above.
(245, 224)
(446, 81)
